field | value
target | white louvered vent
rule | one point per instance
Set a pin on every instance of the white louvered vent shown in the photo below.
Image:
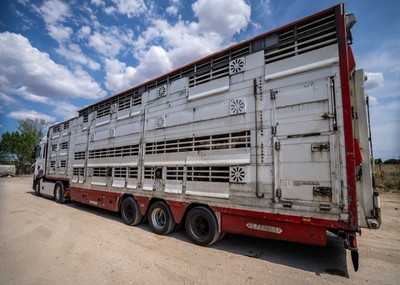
(157, 185)
(237, 65)
(160, 122)
(162, 91)
(237, 106)
(113, 108)
(237, 174)
(112, 132)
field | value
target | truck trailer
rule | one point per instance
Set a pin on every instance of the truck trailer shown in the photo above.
(268, 138)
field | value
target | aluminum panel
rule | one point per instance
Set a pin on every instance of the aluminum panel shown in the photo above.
(178, 85)
(118, 182)
(324, 57)
(207, 189)
(173, 186)
(209, 88)
(219, 157)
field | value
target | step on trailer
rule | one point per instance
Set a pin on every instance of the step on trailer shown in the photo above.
(267, 138)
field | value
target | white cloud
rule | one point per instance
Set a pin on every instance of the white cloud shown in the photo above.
(54, 11)
(84, 32)
(186, 41)
(375, 79)
(60, 33)
(373, 101)
(74, 53)
(65, 110)
(7, 100)
(111, 41)
(29, 114)
(224, 17)
(164, 46)
(97, 2)
(265, 7)
(396, 71)
(119, 77)
(173, 9)
(24, 92)
(32, 74)
(180, 41)
(130, 8)
(155, 62)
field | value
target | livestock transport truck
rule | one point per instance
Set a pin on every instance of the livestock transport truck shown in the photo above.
(266, 138)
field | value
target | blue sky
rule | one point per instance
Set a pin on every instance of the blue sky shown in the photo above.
(58, 56)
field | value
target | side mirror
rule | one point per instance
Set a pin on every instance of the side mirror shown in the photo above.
(34, 153)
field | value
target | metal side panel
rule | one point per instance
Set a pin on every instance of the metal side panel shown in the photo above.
(213, 189)
(321, 58)
(210, 88)
(47, 188)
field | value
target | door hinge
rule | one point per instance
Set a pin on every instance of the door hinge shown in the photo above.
(273, 94)
(328, 116)
(279, 193)
(273, 130)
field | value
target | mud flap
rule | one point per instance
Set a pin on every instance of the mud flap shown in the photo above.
(354, 259)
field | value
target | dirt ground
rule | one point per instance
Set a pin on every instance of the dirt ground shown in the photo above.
(42, 242)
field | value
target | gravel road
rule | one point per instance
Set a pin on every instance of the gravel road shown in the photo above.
(42, 242)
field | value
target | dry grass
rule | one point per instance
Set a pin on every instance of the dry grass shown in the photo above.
(387, 177)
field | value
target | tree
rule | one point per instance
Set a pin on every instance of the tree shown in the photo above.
(392, 161)
(17, 146)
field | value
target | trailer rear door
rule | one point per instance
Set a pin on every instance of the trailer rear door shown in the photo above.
(306, 151)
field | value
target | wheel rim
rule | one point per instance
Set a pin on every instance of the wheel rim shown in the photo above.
(200, 227)
(128, 212)
(158, 218)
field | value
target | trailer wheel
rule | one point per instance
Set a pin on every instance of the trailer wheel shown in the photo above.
(130, 213)
(59, 193)
(37, 188)
(160, 218)
(201, 226)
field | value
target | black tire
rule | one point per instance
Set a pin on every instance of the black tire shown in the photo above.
(201, 226)
(59, 193)
(37, 188)
(130, 213)
(160, 218)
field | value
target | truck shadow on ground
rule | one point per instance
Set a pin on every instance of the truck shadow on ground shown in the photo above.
(320, 260)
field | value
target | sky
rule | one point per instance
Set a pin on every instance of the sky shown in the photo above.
(58, 56)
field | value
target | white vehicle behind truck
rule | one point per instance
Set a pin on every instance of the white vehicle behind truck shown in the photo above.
(266, 138)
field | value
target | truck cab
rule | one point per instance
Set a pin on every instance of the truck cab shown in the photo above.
(39, 153)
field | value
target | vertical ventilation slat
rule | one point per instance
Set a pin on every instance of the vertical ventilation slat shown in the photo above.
(303, 38)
